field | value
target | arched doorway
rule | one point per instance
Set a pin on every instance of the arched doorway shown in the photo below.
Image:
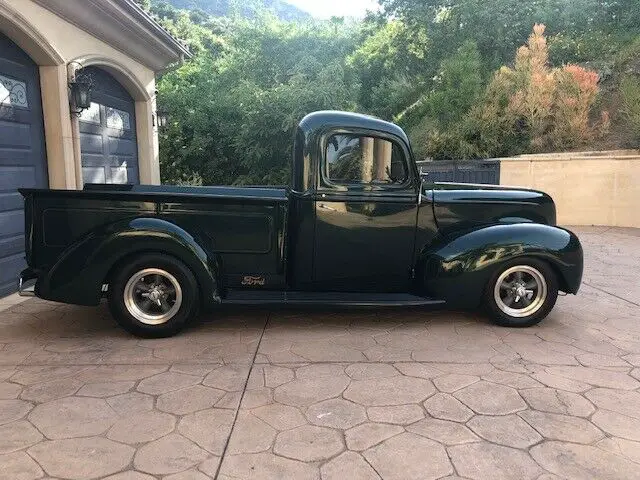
(22, 153)
(108, 132)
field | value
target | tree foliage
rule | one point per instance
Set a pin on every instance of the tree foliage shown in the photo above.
(444, 69)
(234, 115)
(552, 106)
(530, 107)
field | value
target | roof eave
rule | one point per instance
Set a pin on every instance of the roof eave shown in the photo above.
(141, 15)
(125, 26)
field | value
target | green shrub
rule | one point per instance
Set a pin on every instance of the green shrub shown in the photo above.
(534, 107)
(456, 89)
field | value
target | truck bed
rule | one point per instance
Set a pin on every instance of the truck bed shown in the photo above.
(242, 228)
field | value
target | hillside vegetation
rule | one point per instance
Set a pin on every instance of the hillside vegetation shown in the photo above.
(246, 8)
(465, 78)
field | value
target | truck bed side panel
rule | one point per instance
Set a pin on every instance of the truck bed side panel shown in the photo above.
(248, 238)
(244, 234)
(59, 222)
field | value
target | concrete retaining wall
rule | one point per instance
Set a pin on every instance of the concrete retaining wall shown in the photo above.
(589, 188)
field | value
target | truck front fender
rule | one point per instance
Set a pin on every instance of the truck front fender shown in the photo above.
(78, 275)
(457, 268)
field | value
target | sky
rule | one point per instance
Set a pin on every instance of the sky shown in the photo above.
(335, 8)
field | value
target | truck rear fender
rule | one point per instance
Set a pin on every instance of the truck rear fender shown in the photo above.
(457, 268)
(86, 265)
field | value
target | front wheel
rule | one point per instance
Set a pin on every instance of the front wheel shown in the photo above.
(521, 293)
(153, 296)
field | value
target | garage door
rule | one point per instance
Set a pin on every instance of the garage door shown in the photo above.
(22, 153)
(108, 132)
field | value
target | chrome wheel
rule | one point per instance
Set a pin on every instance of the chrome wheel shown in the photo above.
(153, 296)
(520, 291)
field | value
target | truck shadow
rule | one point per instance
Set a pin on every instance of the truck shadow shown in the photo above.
(44, 333)
(384, 317)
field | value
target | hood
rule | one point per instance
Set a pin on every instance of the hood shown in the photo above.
(462, 205)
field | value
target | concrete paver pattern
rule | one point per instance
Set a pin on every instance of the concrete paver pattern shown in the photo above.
(317, 394)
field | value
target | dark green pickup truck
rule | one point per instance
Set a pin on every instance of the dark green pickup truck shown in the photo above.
(359, 226)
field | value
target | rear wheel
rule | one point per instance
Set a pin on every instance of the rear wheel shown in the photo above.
(521, 293)
(153, 296)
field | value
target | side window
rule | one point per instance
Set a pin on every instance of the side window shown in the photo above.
(361, 160)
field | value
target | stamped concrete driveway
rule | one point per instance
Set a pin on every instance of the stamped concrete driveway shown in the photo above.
(394, 394)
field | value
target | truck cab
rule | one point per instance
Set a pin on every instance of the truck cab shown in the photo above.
(357, 226)
(355, 204)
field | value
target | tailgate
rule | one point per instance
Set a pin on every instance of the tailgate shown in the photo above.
(28, 225)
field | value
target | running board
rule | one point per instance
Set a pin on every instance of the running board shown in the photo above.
(261, 297)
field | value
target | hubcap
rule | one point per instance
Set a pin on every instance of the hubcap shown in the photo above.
(520, 291)
(153, 296)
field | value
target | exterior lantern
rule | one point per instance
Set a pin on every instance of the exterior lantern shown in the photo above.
(80, 94)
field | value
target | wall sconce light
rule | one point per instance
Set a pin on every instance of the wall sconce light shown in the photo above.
(80, 95)
(80, 92)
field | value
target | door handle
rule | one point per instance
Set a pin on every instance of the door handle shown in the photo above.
(327, 207)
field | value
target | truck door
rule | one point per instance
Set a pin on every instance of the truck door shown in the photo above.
(366, 210)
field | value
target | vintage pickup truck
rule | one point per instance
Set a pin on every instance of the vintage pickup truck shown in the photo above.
(359, 225)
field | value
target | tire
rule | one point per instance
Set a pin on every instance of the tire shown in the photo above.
(153, 296)
(521, 293)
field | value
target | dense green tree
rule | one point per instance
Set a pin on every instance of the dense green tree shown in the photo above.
(233, 118)
(389, 64)
(427, 64)
(499, 26)
(456, 89)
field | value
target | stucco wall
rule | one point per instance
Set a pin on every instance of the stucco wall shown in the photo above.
(587, 189)
(53, 43)
(73, 43)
